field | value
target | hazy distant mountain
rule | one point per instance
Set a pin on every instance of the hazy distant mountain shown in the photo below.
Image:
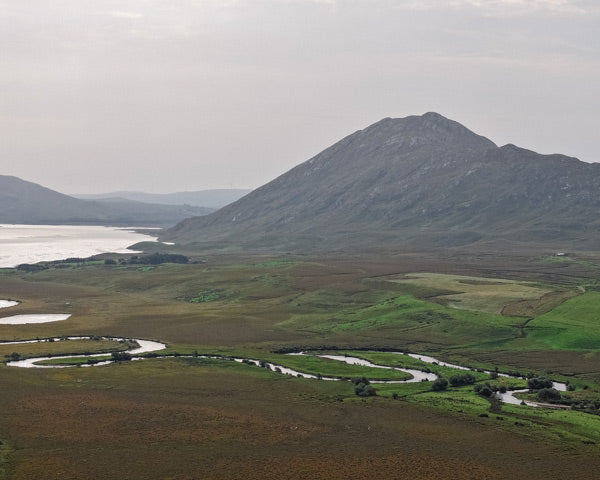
(423, 180)
(202, 198)
(29, 203)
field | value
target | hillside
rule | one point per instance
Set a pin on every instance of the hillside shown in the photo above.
(29, 203)
(423, 180)
(202, 198)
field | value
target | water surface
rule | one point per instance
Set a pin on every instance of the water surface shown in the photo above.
(7, 303)
(39, 243)
(34, 318)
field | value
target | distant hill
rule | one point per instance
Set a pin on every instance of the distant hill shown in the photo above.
(202, 198)
(420, 180)
(28, 203)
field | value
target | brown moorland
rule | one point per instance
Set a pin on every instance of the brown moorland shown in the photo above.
(177, 419)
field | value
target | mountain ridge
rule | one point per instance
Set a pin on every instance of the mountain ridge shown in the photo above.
(424, 180)
(211, 198)
(23, 202)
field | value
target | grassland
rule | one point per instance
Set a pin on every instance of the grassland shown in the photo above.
(474, 293)
(198, 417)
(574, 325)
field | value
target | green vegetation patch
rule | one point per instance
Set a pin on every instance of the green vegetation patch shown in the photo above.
(206, 296)
(474, 293)
(573, 325)
(146, 269)
(276, 263)
(409, 317)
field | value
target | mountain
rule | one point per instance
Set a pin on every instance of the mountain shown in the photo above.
(420, 180)
(29, 203)
(203, 198)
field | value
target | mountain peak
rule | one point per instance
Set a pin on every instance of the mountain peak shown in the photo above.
(434, 116)
(422, 179)
(424, 130)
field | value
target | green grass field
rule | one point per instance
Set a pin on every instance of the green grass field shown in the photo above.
(474, 293)
(574, 325)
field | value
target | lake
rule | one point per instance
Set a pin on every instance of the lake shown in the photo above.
(37, 243)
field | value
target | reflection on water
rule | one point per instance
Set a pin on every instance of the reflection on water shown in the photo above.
(38, 243)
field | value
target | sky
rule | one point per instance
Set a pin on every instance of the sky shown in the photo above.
(155, 96)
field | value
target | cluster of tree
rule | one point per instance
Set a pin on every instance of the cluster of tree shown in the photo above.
(460, 380)
(587, 406)
(439, 385)
(152, 259)
(537, 383)
(549, 395)
(66, 263)
(362, 387)
(544, 389)
(487, 389)
(455, 381)
(32, 267)
(121, 356)
(490, 392)
(158, 258)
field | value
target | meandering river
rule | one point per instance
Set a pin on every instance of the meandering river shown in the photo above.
(146, 346)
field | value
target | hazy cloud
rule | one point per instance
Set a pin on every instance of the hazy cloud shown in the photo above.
(165, 96)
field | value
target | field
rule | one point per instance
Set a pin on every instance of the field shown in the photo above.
(190, 417)
(491, 295)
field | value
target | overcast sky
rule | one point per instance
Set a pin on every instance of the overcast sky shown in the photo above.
(157, 96)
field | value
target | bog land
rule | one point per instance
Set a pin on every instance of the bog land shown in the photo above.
(188, 416)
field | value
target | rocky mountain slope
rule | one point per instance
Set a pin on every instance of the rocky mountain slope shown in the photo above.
(423, 180)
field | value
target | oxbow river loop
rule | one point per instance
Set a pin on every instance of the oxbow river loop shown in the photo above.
(151, 346)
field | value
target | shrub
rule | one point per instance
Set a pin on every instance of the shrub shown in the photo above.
(459, 380)
(548, 395)
(357, 380)
(121, 356)
(363, 388)
(495, 403)
(537, 383)
(31, 268)
(439, 385)
(157, 258)
(486, 390)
